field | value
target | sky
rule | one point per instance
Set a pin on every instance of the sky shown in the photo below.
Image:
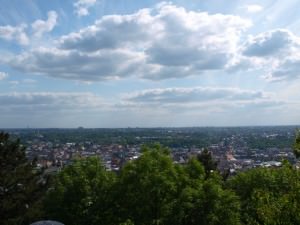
(130, 63)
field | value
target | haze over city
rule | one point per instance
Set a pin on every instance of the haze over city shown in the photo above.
(122, 63)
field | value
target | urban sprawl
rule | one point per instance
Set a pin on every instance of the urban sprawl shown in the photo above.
(233, 148)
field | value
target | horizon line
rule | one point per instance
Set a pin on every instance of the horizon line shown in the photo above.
(145, 127)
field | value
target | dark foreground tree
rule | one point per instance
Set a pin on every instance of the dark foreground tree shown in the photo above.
(21, 186)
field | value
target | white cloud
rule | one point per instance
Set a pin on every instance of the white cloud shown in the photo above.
(24, 81)
(17, 33)
(195, 95)
(77, 65)
(163, 42)
(253, 8)
(82, 7)
(160, 43)
(112, 32)
(278, 54)
(271, 43)
(154, 107)
(196, 40)
(204, 106)
(40, 27)
(3, 75)
(54, 109)
(51, 100)
(288, 70)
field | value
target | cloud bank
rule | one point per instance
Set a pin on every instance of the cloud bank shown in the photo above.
(208, 99)
(37, 102)
(159, 43)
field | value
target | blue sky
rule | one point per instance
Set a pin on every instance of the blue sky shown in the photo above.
(126, 63)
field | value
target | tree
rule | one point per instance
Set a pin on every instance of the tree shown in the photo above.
(148, 190)
(268, 195)
(154, 190)
(205, 157)
(296, 146)
(147, 187)
(202, 199)
(81, 194)
(21, 188)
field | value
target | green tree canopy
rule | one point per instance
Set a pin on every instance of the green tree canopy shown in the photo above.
(269, 195)
(81, 194)
(296, 146)
(201, 199)
(148, 190)
(148, 186)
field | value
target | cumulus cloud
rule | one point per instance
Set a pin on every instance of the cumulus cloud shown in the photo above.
(271, 43)
(82, 7)
(289, 69)
(40, 27)
(14, 33)
(19, 33)
(112, 32)
(3, 75)
(159, 43)
(277, 53)
(195, 39)
(77, 65)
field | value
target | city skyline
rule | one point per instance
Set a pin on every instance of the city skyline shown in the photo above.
(124, 63)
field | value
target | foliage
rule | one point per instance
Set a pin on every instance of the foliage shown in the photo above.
(210, 165)
(147, 187)
(269, 196)
(296, 146)
(21, 186)
(149, 190)
(81, 194)
(127, 222)
(154, 190)
(201, 199)
(254, 137)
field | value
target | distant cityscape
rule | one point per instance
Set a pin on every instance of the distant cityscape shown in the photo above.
(234, 148)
